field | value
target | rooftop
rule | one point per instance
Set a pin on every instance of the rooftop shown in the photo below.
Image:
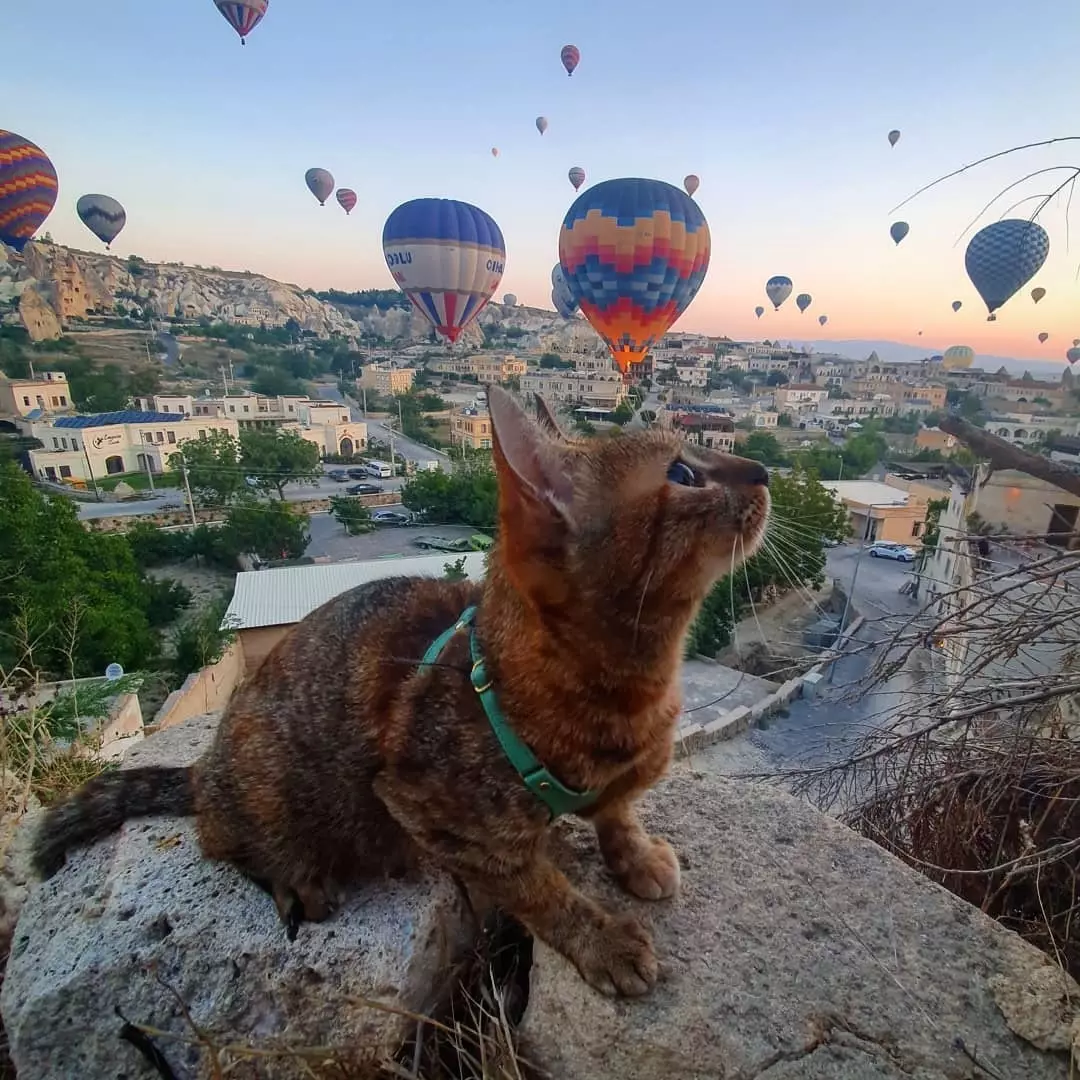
(284, 596)
(124, 416)
(866, 492)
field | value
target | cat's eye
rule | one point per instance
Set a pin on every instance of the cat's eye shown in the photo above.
(681, 473)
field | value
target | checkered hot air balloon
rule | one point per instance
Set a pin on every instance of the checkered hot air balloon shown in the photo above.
(102, 215)
(634, 254)
(447, 257)
(1002, 258)
(242, 15)
(28, 188)
(778, 289)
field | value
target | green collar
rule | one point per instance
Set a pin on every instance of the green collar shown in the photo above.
(558, 799)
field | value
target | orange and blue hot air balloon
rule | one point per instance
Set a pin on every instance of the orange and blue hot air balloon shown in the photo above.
(28, 188)
(243, 15)
(634, 254)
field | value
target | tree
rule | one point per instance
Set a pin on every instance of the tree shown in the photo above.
(455, 571)
(276, 458)
(764, 447)
(777, 378)
(274, 382)
(270, 530)
(623, 414)
(201, 638)
(71, 601)
(214, 471)
(468, 496)
(352, 513)
(551, 360)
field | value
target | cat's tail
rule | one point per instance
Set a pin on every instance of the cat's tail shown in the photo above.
(103, 804)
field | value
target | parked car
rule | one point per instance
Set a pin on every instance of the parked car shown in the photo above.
(444, 543)
(363, 489)
(390, 517)
(358, 474)
(887, 549)
(339, 476)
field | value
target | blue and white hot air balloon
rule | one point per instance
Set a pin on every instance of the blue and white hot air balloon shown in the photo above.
(563, 303)
(447, 257)
(898, 230)
(1002, 258)
(778, 289)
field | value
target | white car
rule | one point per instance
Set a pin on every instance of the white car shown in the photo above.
(887, 549)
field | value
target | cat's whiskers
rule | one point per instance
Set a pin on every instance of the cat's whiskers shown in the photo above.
(641, 604)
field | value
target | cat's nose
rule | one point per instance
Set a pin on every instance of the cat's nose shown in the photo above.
(748, 472)
(759, 475)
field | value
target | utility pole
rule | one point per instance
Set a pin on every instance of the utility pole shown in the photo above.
(149, 471)
(187, 489)
(390, 431)
(90, 471)
(224, 379)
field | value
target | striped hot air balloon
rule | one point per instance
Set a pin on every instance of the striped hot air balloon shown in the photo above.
(242, 15)
(1003, 257)
(346, 198)
(634, 254)
(28, 188)
(447, 257)
(577, 177)
(571, 57)
(102, 215)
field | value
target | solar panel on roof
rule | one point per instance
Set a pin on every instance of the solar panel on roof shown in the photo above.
(123, 416)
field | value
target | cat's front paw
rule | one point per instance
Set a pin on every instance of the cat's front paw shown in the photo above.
(645, 866)
(617, 960)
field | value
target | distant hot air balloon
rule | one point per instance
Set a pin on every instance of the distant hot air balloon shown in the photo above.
(243, 15)
(28, 188)
(920, 333)
(102, 215)
(957, 305)
(634, 253)
(1044, 337)
(894, 137)
(1038, 293)
(346, 197)
(778, 289)
(320, 183)
(691, 183)
(494, 151)
(541, 124)
(823, 319)
(571, 57)
(1073, 355)
(759, 311)
(1076, 341)
(562, 303)
(803, 301)
(898, 230)
(447, 257)
(577, 177)
(1003, 257)
(510, 300)
(957, 356)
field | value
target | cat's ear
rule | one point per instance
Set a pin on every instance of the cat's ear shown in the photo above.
(532, 467)
(546, 418)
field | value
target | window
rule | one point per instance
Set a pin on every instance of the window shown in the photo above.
(74, 444)
(56, 443)
(63, 401)
(147, 436)
(114, 464)
(172, 437)
(65, 472)
(63, 442)
(26, 401)
(164, 408)
(160, 437)
(246, 409)
(202, 434)
(916, 528)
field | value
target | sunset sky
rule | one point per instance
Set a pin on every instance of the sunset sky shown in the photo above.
(781, 108)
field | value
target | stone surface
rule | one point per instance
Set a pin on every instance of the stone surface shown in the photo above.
(143, 909)
(796, 951)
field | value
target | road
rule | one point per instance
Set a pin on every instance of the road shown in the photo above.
(329, 539)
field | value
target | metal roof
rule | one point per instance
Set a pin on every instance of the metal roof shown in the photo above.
(124, 416)
(284, 596)
(867, 492)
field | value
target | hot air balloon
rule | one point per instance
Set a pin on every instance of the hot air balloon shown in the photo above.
(1076, 341)
(28, 187)
(562, 303)
(957, 356)
(823, 319)
(577, 177)
(894, 137)
(1038, 293)
(243, 15)
(634, 253)
(759, 311)
(320, 183)
(447, 257)
(541, 124)
(571, 57)
(691, 183)
(494, 151)
(898, 230)
(957, 305)
(920, 333)
(510, 300)
(346, 197)
(1073, 355)
(778, 289)
(803, 301)
(1044, 337)
(1004, 257)
(102, 215)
